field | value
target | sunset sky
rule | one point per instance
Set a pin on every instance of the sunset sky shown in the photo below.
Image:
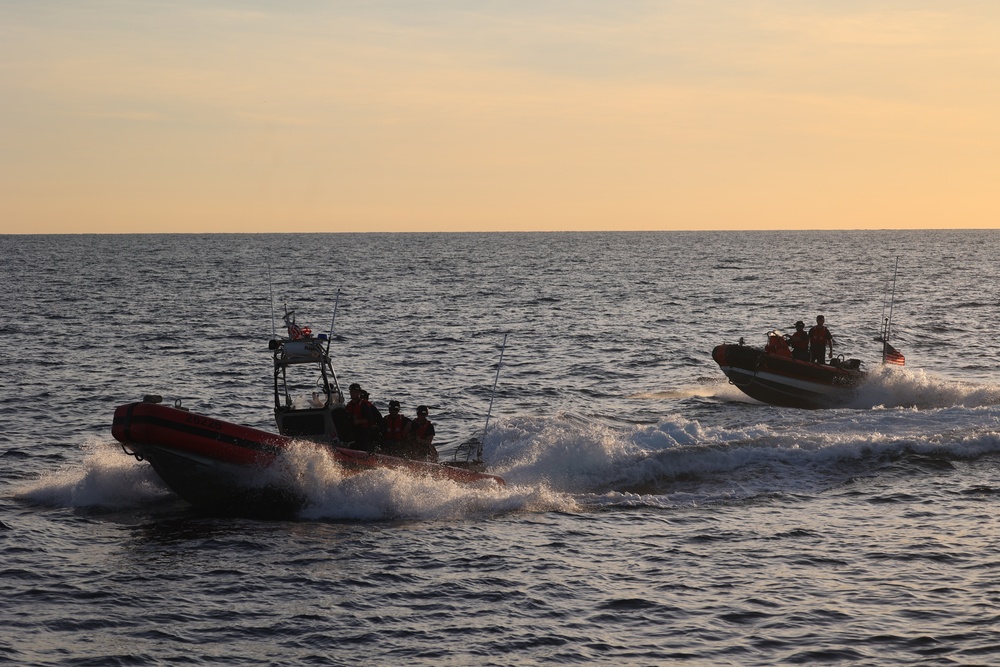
(402, 115)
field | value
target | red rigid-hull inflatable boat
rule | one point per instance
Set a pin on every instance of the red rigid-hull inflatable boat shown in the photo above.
(218, 465)
(221, 466)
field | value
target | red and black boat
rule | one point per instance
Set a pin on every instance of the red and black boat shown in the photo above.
(221, 466)
(771, 375)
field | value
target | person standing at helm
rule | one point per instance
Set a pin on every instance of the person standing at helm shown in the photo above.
(799, 342)
(819, 339)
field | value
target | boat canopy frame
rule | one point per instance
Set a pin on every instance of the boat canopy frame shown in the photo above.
(312, 409)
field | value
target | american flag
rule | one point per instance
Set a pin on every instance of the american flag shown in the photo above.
(295, 332)
(891, 355)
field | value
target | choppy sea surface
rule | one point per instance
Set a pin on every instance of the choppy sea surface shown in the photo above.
(652, 513)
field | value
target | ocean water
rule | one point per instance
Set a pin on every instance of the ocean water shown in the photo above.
(652, 513)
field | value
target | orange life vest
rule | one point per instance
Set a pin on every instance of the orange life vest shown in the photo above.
(421, 430)
(819, 335)
(800, 340)
(357, 410)
(395, 425)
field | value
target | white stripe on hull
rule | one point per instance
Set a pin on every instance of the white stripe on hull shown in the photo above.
(791, 383)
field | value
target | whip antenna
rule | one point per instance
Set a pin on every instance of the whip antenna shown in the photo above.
(479, 452)
(270, 288)
(334, 321)
(888, 320)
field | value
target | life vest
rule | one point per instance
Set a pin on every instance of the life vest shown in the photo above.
(420, 447)
(356, 410)
(799, 340)
(395, 425)
(421, 429)
(819, 335)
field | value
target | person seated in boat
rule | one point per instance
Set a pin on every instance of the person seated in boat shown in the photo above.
(360, 411)
(799, 342)
(395, 431)
(421, 445)
(375, 420)
(819, 339)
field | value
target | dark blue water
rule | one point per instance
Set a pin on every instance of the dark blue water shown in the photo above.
(653, 514)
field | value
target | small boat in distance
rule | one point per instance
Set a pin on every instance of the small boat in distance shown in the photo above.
(771, 375)
(221, 466)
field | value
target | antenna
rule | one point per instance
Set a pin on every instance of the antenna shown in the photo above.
(270, 288)
(479, 451)
(888, 321)
(329, 338)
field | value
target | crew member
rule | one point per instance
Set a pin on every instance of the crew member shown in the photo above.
(819, 339)
(799, 342)
(360, 411)
(422, 436)
(375, 420)
(395, 431)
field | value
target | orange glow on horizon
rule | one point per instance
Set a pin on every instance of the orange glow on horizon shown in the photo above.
(345, 119)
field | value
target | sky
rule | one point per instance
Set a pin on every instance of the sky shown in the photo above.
(405, 115)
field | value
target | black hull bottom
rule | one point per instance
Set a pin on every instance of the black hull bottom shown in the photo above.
(787, 382)
(222, 488)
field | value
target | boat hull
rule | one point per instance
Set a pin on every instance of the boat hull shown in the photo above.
(221, 466)
(786, 382)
